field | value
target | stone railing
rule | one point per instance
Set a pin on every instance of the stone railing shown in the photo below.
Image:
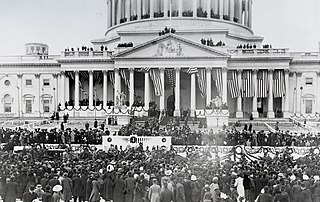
(305, 55)
(79, 54)
(28, 58)
(260, 52)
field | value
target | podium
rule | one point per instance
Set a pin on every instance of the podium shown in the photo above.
(217, 117)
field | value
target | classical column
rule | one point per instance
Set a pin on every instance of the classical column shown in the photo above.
(146, 90)
(139, 5)
(63, 87)
(165, 8)
(246, 3)
(216, 7)
(177, 93)
(224, 85)
(76, 89)
(250, 13)
(131, 96)
(180, 8)
(270, 95)
(162, 87)
(239, 11)
(143, 7)
(67, 89)
(226, 7)
(37, 94)
(194, 8)
(298, 93)
(116, 86)
(193, 93)
(208, 9)
(255, 113)
(286, 113)
(109, 14)
(127, 9)
(20, 95)
(113, 12)
(119, 11)
(90, 88)
(239, 113)
(294, 92)
(105, 88)
(152, 8)
(231, 9)
(221, 9)
(208, 97)
(55, 91)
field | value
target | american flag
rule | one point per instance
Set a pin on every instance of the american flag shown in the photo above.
(84, 74)
(262, 84)
(70, 75)
(144, 69)
(124, 75)
(81, 87)
(192, 70)
(202, 82)
(278, 84)
(217, 77)
(171, 76)
(247, 88)
(111, 76)
(156, 80)
(233, 85)
(97, 77)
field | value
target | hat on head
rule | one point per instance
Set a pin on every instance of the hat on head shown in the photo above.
(305, 177)
(168, 172)
(193, 178)
(110, 168)
(57, 188)
(39, 186)
(316, 178)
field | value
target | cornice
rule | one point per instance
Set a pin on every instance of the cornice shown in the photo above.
(85, 60)
(29, 64)
(260, 59)
(169, 58)
(305, 62)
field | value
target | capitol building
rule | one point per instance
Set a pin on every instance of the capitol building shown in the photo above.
(169, 55)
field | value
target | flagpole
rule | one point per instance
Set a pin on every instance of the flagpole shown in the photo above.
(170, 16)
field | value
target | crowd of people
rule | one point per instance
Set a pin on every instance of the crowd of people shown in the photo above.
(209, 42)
(134, 175)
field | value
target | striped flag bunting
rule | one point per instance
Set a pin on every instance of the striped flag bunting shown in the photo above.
(202, 82)
(233, 85)
(111, 76)
(247, 87)
(156, 80)
(84, 74)
(171, 77)
(81, 87)
(262, 85)
(125, 75)
(192, 70)
(70, 75)
(97, 77)
(278, 84)
(144, 69)
(217, 77)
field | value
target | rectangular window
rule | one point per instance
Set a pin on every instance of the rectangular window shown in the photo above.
(308, 106)
(7, 107)
(46, 105)
(28, 106)
(46, 82)
(309, 81)
(28, 82)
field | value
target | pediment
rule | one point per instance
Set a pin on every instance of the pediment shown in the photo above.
(171, 46)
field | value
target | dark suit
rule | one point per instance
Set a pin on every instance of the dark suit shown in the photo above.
(29, 197)
(11, 192)
(78, 189)
(46, 197)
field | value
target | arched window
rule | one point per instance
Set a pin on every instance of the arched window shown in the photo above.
(7, 100)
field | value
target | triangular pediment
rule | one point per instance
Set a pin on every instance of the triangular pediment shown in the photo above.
(171, 46)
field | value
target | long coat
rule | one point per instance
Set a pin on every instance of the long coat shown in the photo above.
(67, 188)
(195, 191)
(108, 185)
(129, 187)
(119, 187)
(11, 192)
(88, 188)
(95, 194)
(180, 194)
(78, 187)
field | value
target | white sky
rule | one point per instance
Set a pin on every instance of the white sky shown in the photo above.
(290, 24)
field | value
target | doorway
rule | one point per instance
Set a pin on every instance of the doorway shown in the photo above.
(170, 105)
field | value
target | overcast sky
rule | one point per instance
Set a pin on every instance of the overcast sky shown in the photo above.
(290, 24)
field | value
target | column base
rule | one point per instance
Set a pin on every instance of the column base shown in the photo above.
(286, 114)
(255, 114)
(239, 114)
(270, 115)
(176, 113)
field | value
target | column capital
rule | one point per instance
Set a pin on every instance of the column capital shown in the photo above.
(270, 70)
(19, 76)
(177, 68)
(318, 74)
(224, 69)
(116, 69)
(255, 70)
(55, 75)
(105, 71)
(209, 68)
(37, 75)
(286, 71)
(239, 70)
(76, 71)
(162, 69)
(131, 69)
(90, 71)
(62, 73)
